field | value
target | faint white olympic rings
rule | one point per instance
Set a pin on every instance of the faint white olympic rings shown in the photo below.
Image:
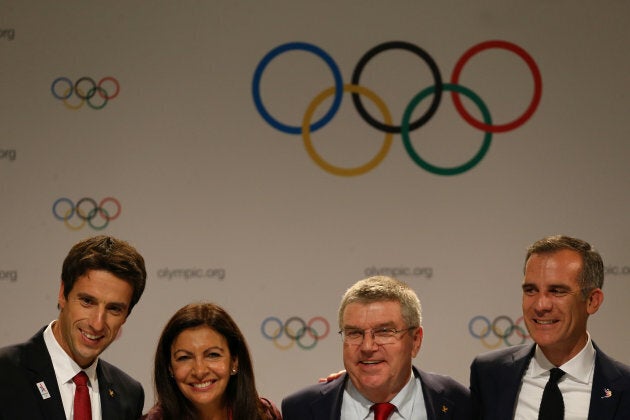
(86, 215)
(502, 328)
(86, 89)
(296, 330)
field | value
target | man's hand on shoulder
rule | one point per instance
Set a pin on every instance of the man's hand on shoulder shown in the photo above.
(331, 377)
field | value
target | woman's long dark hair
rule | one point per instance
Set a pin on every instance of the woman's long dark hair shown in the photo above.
(240, 396)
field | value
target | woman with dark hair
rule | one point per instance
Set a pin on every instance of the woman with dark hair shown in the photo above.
(203, 370)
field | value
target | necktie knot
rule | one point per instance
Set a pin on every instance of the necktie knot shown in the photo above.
(382, 411)
(80, 379)
(555, 374)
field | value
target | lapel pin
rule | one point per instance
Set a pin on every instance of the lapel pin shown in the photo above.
(111, 393)
(607, 393)
(41, 386)
(444, 409)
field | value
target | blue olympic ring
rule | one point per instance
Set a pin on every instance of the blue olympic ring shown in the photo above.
(295, 335)
(502, 334)
(406, 125)
(83, 215)
(82, 94)
(282, 49)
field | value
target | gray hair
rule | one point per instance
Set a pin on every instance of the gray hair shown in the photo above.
(382, 288)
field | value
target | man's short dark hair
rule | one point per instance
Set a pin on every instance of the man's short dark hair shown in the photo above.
(592, 275)
(108, 254)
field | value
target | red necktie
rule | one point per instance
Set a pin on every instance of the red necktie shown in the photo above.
(382, 411)
(82, 406)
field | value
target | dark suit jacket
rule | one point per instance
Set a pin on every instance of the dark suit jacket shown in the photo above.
(444, 398)
(24, 365)
(495, 380)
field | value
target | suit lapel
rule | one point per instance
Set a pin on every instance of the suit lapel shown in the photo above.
(328, 406)
(110, 403)
(42, 377)
(436, 404)
(510, 375)
(605, 396)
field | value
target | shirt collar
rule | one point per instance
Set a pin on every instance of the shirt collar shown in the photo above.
(403, 400)
(65, 367)
(580, 367)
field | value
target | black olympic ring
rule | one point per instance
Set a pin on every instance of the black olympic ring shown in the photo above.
(437, 79)
(85, 88)
(295, 335)
(436, 91)
(85, 215)
(503, 334)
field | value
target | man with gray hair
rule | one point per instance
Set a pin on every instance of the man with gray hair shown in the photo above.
(563, 375)
(380, 323)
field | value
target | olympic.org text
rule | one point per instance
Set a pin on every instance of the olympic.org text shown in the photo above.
(398, 272)
(8, 275)
(8, 34)
(191, 273)
(617, 270)
(8, 154)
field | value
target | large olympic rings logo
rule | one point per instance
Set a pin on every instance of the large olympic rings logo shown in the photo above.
(502, 328)
(296, 330)
(86, 90)
(406, 126)
(87, 211)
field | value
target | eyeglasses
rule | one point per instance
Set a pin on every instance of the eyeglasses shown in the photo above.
(380, 336)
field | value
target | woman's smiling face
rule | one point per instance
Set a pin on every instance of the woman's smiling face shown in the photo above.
(201, 365)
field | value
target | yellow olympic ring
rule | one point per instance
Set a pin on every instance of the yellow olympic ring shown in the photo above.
(336, 170)
(277, 333)
(70, 106)
(485, 342)
(66, 221)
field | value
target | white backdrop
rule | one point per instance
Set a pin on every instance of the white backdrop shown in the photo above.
(206, 184)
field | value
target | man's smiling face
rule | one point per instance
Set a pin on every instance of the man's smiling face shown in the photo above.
(379, 372)
(91, 315)
(554, 308)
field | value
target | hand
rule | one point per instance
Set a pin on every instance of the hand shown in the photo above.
(331, 377)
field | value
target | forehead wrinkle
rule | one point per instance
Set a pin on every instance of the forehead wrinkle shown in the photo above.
(370, 315)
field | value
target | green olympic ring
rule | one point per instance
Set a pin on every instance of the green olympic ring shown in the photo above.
(437, 169)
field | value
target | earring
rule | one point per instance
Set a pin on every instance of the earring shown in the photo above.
(234, 371)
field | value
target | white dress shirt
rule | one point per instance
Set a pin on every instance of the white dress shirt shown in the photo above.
(409, 403)
(575, 385)
(65, 370)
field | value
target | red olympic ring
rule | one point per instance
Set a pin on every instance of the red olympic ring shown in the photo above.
(310, 329)
(109, 79)
(498, 128)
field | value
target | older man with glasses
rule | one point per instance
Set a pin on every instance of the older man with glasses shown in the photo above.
(380, 321)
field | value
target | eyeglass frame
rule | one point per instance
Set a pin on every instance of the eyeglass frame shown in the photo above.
(393, 331)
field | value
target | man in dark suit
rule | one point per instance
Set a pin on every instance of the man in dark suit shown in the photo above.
(561, 289)
(380, 324)
(102, 279)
